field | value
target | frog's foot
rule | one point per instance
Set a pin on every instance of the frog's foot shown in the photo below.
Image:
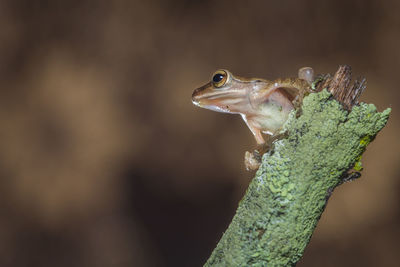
(252, 160)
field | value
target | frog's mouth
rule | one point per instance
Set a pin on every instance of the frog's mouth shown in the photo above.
(219, 104)
(211, 96)
(205, 93)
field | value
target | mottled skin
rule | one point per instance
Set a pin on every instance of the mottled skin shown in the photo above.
(264, 105)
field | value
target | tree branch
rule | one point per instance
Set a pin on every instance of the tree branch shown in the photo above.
(277, 216)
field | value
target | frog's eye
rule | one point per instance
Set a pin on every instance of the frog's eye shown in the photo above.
(219, 78)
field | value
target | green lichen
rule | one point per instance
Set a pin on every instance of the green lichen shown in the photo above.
(365, 140)
(358, 165)
(276, 217)
(316, 81)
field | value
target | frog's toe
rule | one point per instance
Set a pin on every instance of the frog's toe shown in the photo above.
(252, 161)
(307, 74)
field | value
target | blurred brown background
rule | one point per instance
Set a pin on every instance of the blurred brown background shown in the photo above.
(104, 161)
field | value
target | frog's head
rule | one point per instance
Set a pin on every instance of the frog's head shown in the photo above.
(224, 93)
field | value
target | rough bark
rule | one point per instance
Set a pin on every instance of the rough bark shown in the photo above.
(325, 140)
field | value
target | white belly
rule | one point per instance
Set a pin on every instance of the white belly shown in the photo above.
(270, 117)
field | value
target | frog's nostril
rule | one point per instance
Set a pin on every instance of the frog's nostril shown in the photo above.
(198, 92)
(195, 93)
(196, 97)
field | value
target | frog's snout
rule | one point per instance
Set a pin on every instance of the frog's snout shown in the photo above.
(195, 96)
(199, 94)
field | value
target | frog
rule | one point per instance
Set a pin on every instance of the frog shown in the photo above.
(264, 105)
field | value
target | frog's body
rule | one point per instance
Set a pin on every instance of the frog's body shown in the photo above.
(264, 105)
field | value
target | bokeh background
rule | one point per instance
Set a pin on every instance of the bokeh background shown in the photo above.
(104, 161)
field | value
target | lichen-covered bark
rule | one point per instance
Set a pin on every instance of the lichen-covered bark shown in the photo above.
(277, 216)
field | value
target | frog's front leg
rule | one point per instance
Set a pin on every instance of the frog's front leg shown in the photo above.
(255, 130)
(252, 160)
